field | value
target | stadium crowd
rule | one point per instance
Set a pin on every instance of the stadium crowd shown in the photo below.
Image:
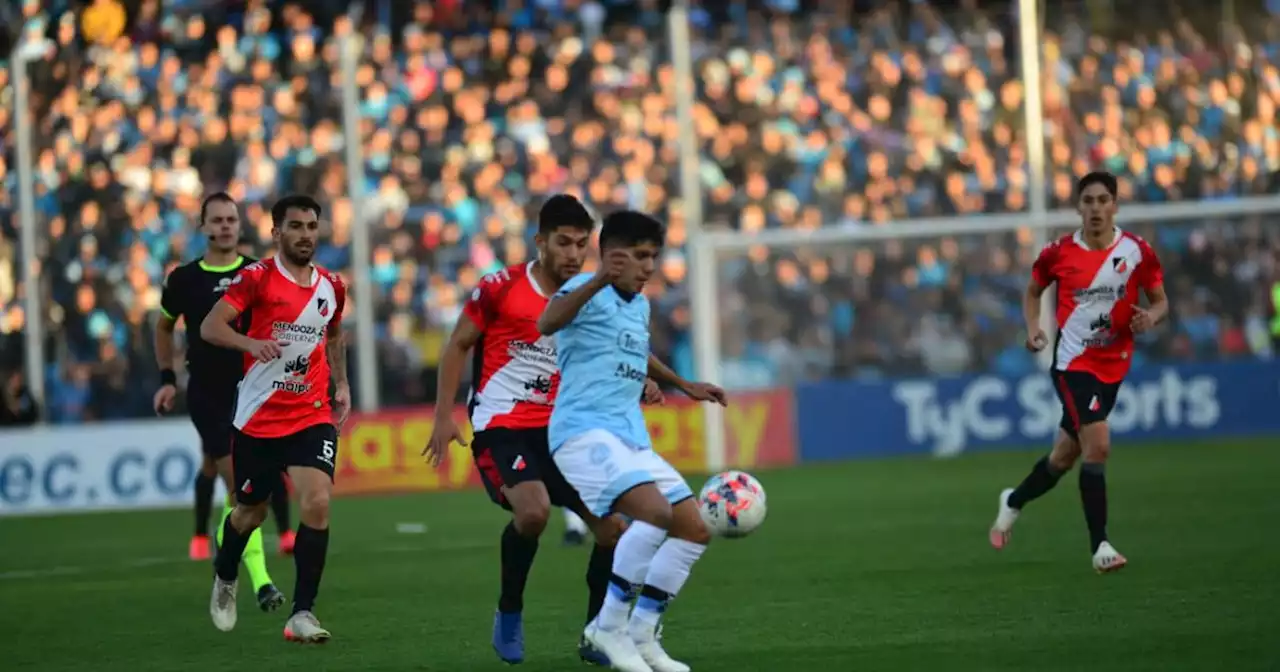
(809, 114)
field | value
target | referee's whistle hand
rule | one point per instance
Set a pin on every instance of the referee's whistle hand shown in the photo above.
(163, 401)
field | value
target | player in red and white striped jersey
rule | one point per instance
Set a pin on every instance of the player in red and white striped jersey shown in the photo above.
(514, 381)
(283, 418)
(1099, 272)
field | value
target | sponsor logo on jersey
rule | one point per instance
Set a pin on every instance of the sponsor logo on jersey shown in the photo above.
(1105, 293)
(542, 351)
(223, 285)
(634, 342)
(295, 376)
(296, 333)
(625, 370)
(540, 385)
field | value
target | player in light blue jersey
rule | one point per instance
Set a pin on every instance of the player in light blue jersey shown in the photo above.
(601, 445)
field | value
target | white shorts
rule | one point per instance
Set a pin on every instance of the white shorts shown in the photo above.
(601, 467)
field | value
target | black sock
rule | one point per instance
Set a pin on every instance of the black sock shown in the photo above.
(309, 553)
(204, 503)
(227, 563)
(280, 506)
(517, 559)
(1093, 494)
(599, 571)
(1041, 480)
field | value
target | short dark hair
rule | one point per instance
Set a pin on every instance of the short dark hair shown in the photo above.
(291, 202)
(1107, 180)
(627, 228)
(215, 197)
(564, 210)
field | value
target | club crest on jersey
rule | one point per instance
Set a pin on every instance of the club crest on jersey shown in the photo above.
(1119, 264)
(322, 305)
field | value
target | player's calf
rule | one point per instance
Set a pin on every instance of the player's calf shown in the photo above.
(668, 572)
(1095, 443)
(1044, 475)
(651, 517)
(531, 508)
(311, 549)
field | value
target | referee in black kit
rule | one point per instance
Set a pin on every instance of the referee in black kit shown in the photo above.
(190, 292)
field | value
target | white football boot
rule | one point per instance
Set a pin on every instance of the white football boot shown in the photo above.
(618, 647)
(304, 628)
(1006, 516)
(1108, 559)
(222, 604)
(659, 661)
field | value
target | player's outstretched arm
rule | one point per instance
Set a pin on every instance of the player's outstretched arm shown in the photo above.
(567, 303)
(697, 391)
(564, 307)
(445, 432)
(453, 356)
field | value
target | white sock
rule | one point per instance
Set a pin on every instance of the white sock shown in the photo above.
(667, 574)
(635, 550)
(574, 523)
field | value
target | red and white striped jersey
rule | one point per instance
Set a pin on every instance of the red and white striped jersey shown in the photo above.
(515, 377)
(1097, 293)
(289, 394)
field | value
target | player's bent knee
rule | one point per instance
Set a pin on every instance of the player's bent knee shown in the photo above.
(208, 467)
(531, 518)
(1095, 442)
(314, 506)
(248, 517)
(1066, 450)
(687, 524)
(646, 503)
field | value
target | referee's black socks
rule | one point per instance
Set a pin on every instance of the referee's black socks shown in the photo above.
(518, 552)
(227, 563)
(309, 552)
(1093, 495)
(204, 502)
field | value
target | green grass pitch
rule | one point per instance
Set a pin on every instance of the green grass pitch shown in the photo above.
(876, 565)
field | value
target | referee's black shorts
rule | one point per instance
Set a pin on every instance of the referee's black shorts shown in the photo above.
(212, 407)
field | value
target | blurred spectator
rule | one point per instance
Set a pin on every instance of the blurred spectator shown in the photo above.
(17, 407)
(808, 114)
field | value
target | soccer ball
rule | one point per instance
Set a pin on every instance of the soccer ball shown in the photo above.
(732, 504)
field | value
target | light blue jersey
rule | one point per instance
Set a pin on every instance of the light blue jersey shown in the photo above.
(604, 359)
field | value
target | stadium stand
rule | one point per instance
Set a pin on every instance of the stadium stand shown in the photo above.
(472, 113)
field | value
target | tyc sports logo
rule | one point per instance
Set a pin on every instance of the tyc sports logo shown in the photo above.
(993, 410)
(295, 376)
